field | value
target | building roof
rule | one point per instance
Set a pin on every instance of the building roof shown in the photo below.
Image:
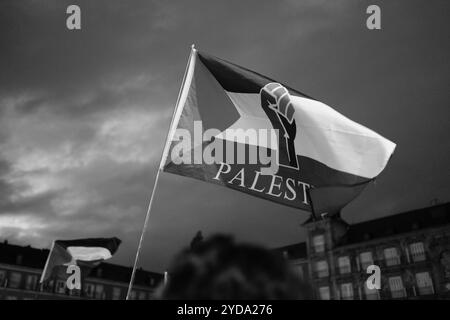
(423, 218)
(409, 221)
(27, 256)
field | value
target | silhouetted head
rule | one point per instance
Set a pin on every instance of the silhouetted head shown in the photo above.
(219, 268)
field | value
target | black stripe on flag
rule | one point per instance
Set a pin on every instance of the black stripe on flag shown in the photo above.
(112, 244)
(234, 78)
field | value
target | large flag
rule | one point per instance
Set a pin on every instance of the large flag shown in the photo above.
(245, 131)
(85, 253)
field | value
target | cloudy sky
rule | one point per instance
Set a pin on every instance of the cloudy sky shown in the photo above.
(83, 114)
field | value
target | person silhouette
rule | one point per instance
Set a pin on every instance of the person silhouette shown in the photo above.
(219, 268)
(196, 240)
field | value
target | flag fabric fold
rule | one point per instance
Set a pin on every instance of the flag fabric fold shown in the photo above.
(320, 154)
(86, 253)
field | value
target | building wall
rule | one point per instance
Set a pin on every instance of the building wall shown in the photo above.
(19, 283)
(349, 281)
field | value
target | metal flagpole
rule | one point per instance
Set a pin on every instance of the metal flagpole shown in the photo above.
(46, 262)
(313, 215)
(163, 155)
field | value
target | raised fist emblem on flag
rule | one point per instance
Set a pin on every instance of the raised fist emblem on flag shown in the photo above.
(276, 103)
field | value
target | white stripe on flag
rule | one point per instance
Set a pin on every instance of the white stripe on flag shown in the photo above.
(89, 253)
(323, 134)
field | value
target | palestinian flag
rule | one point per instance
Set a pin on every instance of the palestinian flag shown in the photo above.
(228, 113)
(85, 253)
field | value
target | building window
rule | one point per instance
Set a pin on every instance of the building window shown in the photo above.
(60, 286)
(344, 265)
(133, 295)
(48, 287)
(391, 256)
(417, 251)
(142, 295)
(371, 294)
(116, 293)
(424, 283)
(74, 292)
(2, 278)
(298, 271)
(324, 293)
(319, 243)
(322, 269)
(366, 259)
(89, 290)
(99, 272)
(396, 287)
(347, 291)
(99, 292)
(14, 279)
(31, 282)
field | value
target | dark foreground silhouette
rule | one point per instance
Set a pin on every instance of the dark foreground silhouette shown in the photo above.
(219, 268)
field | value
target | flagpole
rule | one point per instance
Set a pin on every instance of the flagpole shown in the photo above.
(313, 215)
(46, 263)
(155, 184)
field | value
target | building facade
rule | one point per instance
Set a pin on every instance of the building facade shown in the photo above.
(412, 250)
(21, 268)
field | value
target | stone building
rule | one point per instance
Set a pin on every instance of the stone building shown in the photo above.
(412, 250)
(21, 268)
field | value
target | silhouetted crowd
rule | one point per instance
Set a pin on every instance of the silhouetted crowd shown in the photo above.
(220, 268)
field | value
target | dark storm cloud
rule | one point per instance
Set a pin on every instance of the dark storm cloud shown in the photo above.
(6, 190)
(83, 114)
(81, 73)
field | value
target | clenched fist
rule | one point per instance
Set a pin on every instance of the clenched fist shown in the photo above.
(276, 103)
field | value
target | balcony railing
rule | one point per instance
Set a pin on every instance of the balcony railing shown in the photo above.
(392, 261)
(322, 273)
(417, 257)
(344, 269)
(396, 294)
(423, 291)
(319, 248)
(372, 296)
